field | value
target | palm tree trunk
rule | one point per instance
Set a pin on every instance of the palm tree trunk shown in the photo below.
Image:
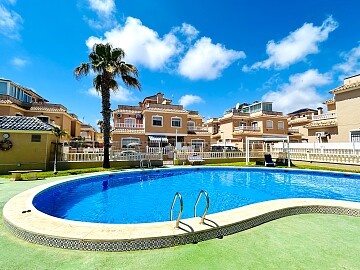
(106, 113)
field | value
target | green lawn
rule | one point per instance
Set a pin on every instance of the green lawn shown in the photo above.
(311, 241)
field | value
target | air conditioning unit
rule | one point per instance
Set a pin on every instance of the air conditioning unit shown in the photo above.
(118, 115)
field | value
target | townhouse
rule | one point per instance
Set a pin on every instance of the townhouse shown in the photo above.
(248, 120)
(340, 122)
(155, 123)
(17, 100)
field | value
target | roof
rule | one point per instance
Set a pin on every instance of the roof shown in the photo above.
(302, 111)
(345, 87)
(23, 123)
(329, 101)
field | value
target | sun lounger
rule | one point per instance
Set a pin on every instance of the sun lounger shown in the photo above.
(195, 159)
(268, 161)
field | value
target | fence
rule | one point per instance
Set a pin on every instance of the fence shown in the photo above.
(342, 153)
(114, 156)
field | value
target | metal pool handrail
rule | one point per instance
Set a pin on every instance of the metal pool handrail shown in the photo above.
(177, 195)
(207, 205)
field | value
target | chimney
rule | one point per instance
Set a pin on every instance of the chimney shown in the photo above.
(160, 98)
(320, 110)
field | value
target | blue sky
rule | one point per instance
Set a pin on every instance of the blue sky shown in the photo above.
(205, 55)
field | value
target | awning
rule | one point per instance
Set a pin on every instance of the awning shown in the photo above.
(158, 139)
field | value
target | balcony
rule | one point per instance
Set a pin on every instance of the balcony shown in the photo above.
(302, 119)
(129, 128)
(246, 129)
(199, 129)
(293, 130)
(323, 123)
(324, 116)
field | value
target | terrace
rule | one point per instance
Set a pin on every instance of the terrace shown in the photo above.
(308, 242)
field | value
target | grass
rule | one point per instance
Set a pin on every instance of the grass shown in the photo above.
(312, 241)
(50, 174)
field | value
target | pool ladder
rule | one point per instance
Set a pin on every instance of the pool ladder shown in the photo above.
(179, 196)
(202, 192)
(142, 166)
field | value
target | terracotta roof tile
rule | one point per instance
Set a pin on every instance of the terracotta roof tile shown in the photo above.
(345, 86)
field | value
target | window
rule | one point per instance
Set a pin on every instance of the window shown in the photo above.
(126, 141)
(355, 136)
(175, 121)
(44, 119)
(280, 125)
(3, 88)
(35, 138)
(197, 144)
(157, 121)
(269, 124)
(191, 125)
(129, 122)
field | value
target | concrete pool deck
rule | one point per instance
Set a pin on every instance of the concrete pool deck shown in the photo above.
(22, 219)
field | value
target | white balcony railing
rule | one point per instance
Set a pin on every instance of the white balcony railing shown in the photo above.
(204, 129)
(324, 116)
(242, 129)
(127, 125)
(293, 130)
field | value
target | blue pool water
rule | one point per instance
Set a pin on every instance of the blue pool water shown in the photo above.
(146, 196)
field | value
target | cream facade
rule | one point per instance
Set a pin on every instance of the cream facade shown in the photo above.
(156, 122)
(341, 121)
(247, 120)
(16, 100)
(297, 122)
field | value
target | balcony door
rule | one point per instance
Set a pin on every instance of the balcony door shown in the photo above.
(129, 122)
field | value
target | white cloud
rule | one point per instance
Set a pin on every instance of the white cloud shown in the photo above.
(121, 95)
(206, 60)
(142, 45)
(296, 46)
(105, 14)
(10, 23)
(18, 62)
(351, 64)
(189, 31)
(102, 7)
(187, 100)
(299, 93)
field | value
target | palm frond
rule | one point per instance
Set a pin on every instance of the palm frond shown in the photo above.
(82, 70)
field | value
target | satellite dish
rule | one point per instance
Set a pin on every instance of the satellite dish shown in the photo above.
(237, 106)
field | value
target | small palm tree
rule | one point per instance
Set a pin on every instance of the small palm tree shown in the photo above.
(58, 132)
(108, 63)
(100, 124)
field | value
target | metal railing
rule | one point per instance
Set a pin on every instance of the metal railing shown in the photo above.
(176, 196)
(202, 192)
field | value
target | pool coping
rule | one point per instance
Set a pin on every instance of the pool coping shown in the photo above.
(26, 222)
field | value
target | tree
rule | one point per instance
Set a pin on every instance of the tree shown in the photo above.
(58, 132)
(107, 62)
(100, 124)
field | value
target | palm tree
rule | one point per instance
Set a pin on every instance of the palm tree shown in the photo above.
(100, 124)
(58, 132)
(108, 63)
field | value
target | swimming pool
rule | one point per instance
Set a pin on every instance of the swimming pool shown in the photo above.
(24, 220)
(146, 196)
